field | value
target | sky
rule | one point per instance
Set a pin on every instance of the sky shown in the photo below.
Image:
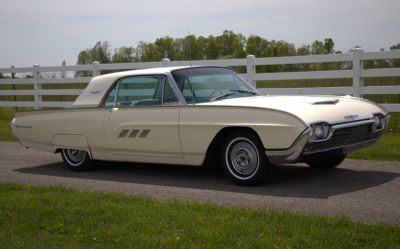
(46, 32)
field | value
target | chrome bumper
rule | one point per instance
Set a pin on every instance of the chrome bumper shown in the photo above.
(289, 155)
(297, 149)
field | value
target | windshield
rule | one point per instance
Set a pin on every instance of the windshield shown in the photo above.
(206, 84)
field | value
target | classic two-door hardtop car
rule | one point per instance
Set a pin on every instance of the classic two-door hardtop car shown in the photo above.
(194, 115)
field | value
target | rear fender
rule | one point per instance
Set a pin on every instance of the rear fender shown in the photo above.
(71, 141)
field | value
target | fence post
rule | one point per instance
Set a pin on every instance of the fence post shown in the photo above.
(251, 69)
(165, 62)
(13, 87)
(96, 68)
(357, 69)
(36, 85)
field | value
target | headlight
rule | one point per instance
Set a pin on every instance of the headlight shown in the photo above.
(320, 131)
(379, 122)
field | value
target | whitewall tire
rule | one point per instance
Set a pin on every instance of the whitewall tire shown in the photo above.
(77, 160)
(243, 158)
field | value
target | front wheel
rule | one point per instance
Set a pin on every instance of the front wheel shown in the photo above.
(244, 160)
(327, 163)
(77, 160)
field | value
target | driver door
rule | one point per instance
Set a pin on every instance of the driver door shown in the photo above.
(143, 118)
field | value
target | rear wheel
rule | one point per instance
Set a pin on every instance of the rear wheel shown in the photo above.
(243, 158)
(327, 163)
(77, 160)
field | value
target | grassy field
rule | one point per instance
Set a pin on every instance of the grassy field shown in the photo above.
(6, 115)
(387, 149)
(38, 217)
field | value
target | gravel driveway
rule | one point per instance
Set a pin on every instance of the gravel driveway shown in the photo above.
(361, 190)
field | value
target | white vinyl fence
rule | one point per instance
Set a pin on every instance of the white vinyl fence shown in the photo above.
(357, 74)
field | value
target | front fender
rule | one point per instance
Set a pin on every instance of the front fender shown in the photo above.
(199, 125)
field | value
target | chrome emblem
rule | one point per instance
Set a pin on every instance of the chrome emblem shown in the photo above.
(134, 133)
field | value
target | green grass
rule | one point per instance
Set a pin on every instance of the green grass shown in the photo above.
(38, 217)
(388, 148)
(5, 134)
(6, 114)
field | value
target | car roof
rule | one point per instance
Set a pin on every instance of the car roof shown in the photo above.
(158, 70)
(98, 86)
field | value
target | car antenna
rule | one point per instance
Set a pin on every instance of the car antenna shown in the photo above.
(190, 49)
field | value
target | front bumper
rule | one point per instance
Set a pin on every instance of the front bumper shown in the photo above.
(346, 138)
(290, 155)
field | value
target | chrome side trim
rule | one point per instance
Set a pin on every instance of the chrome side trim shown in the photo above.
(291, 154)
(23, 126)
(352, 124)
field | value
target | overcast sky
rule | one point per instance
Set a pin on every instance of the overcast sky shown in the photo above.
(46, 32)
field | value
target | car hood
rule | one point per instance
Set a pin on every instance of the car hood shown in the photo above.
(331, 109)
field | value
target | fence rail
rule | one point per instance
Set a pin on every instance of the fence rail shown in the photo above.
(356, 73)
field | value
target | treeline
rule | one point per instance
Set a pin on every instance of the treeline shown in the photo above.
(225, 46)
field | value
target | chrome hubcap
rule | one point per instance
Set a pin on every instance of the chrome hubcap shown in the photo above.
(244, 158)
(76, 156)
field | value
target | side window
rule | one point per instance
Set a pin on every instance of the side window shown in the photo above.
(169, 96)
(139, 91)
(187, 91)
(109, 101)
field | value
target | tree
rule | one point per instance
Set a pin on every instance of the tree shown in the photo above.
(212, 50)
(317, 47)
(192, 48)
(397, 46)
(100, 52)
(124, 55)
(231, 45)
(84, 58)
(257, 46)
(139, 50)
(395, 62)
(148, 52)
(166, 47)
(304, 50)
(202, 42)
(329, 45)
(285, 49)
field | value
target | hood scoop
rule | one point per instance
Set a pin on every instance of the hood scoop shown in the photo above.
(326, 102)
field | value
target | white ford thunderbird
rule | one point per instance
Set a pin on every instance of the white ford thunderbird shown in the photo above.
(195, 115)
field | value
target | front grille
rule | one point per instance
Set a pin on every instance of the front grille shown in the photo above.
(344, 137)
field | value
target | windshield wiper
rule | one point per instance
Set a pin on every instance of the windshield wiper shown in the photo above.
(233, 91)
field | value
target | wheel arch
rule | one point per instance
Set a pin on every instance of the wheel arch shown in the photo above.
(71, 141)
(214, 149)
